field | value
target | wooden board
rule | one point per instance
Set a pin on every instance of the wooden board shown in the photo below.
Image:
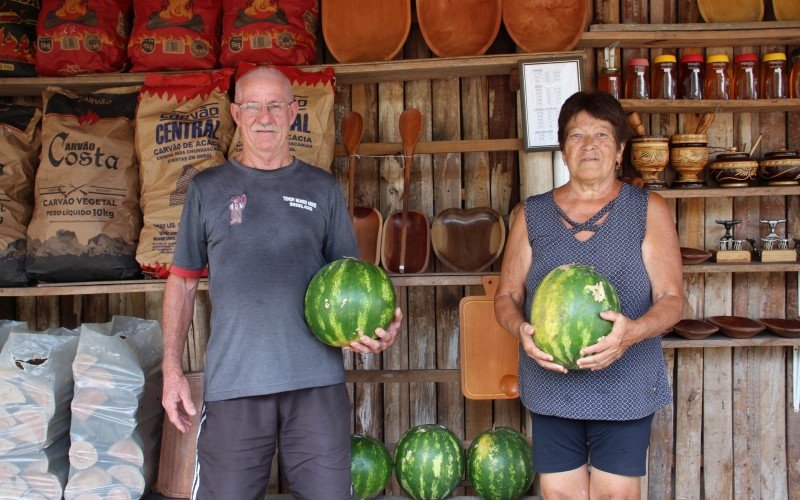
(459, 27)
(489, 354)
(365, 30)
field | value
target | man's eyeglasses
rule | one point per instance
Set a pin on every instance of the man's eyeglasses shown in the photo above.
(253, 109)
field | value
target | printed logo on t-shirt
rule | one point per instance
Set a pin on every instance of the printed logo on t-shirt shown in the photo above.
(300, 203)
(237, 208)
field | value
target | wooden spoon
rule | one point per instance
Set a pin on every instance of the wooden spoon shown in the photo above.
(705, 122)
(635, 121)
(367, 221)
(414, 235)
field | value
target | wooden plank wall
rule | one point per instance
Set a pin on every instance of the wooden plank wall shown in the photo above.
(730, 433)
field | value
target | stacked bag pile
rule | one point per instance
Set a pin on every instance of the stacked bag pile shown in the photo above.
(80, 411)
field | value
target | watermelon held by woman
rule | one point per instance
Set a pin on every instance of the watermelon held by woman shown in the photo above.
(499, 464)
(429, 462)
(370, 465)
(349, 298)
(566, 311)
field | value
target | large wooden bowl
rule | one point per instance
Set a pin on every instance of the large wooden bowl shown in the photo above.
(545, 25)
(725, 11)
(418, 243)
(365, 30)
(468, 240)
(786, 10)
(459, 27)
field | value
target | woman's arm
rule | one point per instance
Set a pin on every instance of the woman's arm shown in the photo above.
(509, 301)
(662, 260)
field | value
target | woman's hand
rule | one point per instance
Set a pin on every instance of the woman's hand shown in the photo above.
(525, 333)
(611, 347)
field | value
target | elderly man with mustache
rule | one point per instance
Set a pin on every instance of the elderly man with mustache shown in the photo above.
(264, 224)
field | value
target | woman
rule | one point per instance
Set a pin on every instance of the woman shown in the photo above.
(599, 415)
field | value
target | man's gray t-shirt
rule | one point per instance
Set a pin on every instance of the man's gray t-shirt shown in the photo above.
(263, 234)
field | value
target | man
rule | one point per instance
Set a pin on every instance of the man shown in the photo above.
(264, 225)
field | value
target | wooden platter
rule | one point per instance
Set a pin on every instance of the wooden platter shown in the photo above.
(459, 27)
(736, 327)
(694, 329)
(788, 328)
(786, 10)
(725, 11)
(365, 30)
(545, 25)
(489, 354)
(468, 240)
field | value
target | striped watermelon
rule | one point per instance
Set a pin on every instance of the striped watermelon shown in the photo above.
(429, 462)
(566, 308)
(370, 465)
(348, 298)
(499, 464)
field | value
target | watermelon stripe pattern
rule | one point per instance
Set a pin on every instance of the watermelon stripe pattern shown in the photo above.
(348, 298)
(500, 464)
(370, 466)
(565, 311)
(429, 462)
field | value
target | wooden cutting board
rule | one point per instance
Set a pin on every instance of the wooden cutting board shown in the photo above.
(489, 354)
(365, 30)
(176, 465)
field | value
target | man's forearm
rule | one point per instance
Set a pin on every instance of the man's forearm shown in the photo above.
(176, 317)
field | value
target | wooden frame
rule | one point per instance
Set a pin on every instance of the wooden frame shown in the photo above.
(544, 86)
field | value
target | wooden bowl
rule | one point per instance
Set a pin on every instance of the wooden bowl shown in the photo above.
(737, 327)
(694, 329)
(789, 328)
(734, 169)
(688, 155)
(694, 255)
(780, 168)
(365, 30)
(724, 11)
(786, 10)
(468, 30)
(468, 240)
(544, 25)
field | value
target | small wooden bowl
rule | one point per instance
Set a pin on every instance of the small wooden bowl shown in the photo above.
(694, 329)
(694, 255)
(468, 240)
(737, 327)
(545, 26)
(789, 328)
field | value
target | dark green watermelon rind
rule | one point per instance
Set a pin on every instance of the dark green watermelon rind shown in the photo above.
(429, 462)
(370, 464)
(569, 291)
(500, 464)
(361, 310)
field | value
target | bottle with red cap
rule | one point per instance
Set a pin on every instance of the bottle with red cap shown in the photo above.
(691, 76)
(745, 76)
(637, 79)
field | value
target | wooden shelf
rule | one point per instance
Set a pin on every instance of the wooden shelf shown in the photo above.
(729, 192)
(691, 35)
(399, 280)
(719, 340)
(712, 105)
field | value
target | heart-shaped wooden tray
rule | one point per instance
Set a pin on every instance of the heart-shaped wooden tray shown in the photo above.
(468, 240)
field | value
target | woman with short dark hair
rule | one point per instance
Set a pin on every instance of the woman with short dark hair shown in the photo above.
(600, 415)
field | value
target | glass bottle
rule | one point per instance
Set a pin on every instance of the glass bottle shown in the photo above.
(794, 76)
(637, 79)
(691, 76)
(718, 80)
(773, 76)
(745, 76)
(664, 77)
(610, 81)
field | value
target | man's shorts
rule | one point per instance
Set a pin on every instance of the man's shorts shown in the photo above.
(613, 446)
(238, 437)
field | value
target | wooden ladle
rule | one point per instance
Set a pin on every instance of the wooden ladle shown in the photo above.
(367, 221)
(406, 234)
(704, 123)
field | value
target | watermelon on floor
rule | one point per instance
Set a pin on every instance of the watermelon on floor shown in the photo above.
(429, 462)
(499, 464)
(566, 311)
(370, 465)
(349, 298)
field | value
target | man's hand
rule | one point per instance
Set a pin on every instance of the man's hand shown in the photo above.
(177, 400)
(525, 334)
(366, 345)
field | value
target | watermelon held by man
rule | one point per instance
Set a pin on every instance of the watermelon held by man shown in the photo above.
(349, 298)
(565, 312)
